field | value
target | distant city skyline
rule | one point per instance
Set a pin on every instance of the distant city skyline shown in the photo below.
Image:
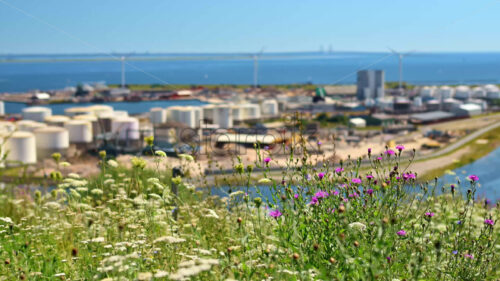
(88, 27)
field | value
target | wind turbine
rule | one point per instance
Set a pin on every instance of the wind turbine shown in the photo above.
(256, 58)
(122, 58)
(400, 57)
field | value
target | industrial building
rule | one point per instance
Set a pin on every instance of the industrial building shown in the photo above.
(467, 110)
(370, 84)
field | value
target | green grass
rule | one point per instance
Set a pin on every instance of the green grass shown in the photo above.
(129, 224)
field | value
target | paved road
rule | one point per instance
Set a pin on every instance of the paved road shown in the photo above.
(460, 142)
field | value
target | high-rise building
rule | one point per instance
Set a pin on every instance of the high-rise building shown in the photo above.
(370, 84)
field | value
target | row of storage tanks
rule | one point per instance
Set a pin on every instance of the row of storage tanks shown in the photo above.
(222, 115)
(461, 92)
(40, 133)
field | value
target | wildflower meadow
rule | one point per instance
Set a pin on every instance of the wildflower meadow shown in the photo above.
(334, 221)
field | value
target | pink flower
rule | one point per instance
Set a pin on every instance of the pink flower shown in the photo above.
(369, 191)
(356, 180)
(321, 175)
(336, 192)
(339, 170)
(296, 196)
(314, 201)
(390, 152)
(400, 147)
(321, 194)
(369, 177)
(353, 195)
(369, 151)
(408, 176)
(429, 214)
(379, 158)
(473, 178)
(267, 160)
(275, 213)
(401, 233)
(489, 222)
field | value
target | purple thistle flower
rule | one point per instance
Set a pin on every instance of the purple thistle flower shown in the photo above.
(388, 259)
(275, 213)
(459, 222)
(320, 143)
(346, 200)
(369, 177)
(489, 222)
(429, 214)
(400, 147)
(379, 158)
(369, 191)
(267, 160)
(314, 201)
(409, 176)
(321, 194)
(336, 192)
(390, 152)
(473, 178)
(401, 233)
(339, 170)
(356, 180)
(353, 195)
(296, 196)
(369, 151)
(321, 175)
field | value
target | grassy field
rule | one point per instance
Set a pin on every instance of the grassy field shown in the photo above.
(335, 224)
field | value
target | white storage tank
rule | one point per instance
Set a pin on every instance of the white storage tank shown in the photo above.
(2, 108)
(80, 131)
(74, 111)
(223, 116)
(188, 115)
(157, 115)
(492, 92)
(120, 113)
(445, 92)
(36, 113)
(126, 128)
(269, 107)
(101, 109)
(51, 139)
(463, 93)
(208, 112)
(427, 91)
(252, 111)
(96, 127)
(478, 93)
(29, 125)
(450, 103)
(56, 120)
(417, 102)
(20, 148)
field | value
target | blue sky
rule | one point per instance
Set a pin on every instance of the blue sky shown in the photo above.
(247, 26)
